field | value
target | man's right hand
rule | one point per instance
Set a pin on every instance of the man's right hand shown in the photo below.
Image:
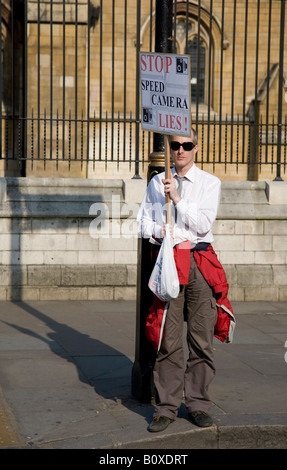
(163, 230)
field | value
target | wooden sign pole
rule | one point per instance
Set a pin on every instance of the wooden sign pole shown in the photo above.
(167, 176)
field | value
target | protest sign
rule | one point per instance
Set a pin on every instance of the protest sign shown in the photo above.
(165, 93)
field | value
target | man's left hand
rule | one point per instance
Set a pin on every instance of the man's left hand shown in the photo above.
(170, 189)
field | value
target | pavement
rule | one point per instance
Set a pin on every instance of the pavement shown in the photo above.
(65, 381)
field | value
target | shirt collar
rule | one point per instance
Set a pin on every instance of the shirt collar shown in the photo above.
(190, 175)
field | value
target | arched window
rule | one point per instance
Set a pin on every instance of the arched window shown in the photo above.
(197, 76)
(189, 40)
(196, 32)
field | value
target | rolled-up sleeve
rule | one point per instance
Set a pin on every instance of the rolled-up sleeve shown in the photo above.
(150, 217)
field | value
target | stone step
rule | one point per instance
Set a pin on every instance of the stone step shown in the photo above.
(74, 197)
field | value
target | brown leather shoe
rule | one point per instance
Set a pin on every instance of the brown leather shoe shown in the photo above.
(200, 418)
(159, 423)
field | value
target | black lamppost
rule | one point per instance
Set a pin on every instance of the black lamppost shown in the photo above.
(142, 383)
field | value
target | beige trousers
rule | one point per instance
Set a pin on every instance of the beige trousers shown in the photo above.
(172, 377)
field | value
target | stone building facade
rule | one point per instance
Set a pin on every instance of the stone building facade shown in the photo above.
(81, 84)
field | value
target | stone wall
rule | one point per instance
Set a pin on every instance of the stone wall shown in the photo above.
(251, 239)
(76, 239)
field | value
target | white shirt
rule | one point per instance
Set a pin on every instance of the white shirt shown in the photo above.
(196, 211)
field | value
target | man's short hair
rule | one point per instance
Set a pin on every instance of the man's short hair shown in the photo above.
(193, 136)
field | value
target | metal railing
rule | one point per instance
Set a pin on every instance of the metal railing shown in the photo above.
(70, 94)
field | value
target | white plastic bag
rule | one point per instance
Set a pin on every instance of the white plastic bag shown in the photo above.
(164, 281)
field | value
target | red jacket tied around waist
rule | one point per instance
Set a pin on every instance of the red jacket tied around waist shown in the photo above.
(213, 272)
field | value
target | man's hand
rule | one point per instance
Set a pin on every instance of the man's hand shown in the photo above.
(163, 230)
(170, 189)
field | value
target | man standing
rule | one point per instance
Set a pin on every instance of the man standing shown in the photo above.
(195, 196)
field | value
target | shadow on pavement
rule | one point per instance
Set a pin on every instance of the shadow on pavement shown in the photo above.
(98, 364)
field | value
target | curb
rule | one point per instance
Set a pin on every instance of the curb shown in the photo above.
(223, 437)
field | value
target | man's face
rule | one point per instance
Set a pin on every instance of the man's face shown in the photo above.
(183, 158)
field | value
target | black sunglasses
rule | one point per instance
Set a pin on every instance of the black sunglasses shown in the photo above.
(187, 146)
